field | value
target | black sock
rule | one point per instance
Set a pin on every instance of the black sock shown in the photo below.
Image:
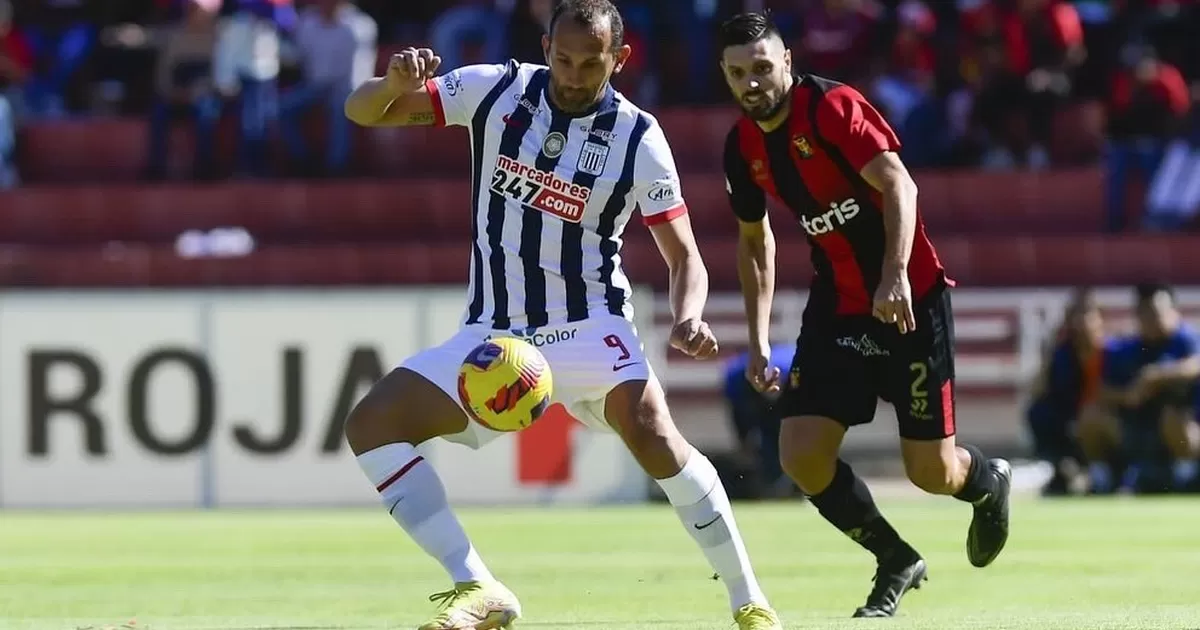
(848, 506)
(981, 483)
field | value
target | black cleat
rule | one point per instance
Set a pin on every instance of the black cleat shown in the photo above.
(989, 527)
(892, 580)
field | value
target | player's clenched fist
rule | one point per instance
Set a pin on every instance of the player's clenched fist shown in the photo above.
(694, 338)
(410, 68)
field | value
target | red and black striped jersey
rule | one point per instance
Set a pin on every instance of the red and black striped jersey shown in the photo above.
(812, 165)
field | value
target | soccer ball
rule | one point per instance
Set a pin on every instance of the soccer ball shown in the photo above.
(505, 384)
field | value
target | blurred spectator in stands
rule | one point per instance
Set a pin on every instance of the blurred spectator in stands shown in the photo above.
(16, 62)
(982, 66)
(61, 34)
(1017, 62)
(1150, 384)
(1010, 122)
(1174, 197)
(337, 46)
(246, 70)
(905, 90)
(1147, 106)
(184, 88)
(1068, 386)
(122, 69)
(674, 43)
(1046, 39)
(755, 426)
(841, 39)
(471, 25)
(526, 28)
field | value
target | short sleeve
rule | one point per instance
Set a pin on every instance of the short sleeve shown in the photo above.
(656, 185)
(745, 197)
(457, 94)
(1188, 344)
(854, 126)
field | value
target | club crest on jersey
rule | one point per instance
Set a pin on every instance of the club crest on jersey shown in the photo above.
(592, 158)
(802, 146)
(554, 144)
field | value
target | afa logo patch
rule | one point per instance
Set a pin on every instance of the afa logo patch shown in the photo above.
(554, 145)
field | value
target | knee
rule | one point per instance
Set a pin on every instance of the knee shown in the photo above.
(804, 460)
(360, 425)
(933, 475)
(1181, 434)
(1095, 426)
(381, 417)
(650, 435)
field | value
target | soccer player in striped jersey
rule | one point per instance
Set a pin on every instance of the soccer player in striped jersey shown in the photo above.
(878, 323)
(560, 163)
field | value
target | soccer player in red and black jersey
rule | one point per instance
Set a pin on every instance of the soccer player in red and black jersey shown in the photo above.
(878, 323)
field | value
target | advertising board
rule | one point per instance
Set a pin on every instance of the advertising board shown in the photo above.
(237, 398)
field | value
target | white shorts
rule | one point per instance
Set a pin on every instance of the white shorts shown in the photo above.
(588, 359)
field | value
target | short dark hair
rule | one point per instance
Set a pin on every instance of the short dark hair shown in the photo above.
(590, 13)
(747, 28)
(1145, 291)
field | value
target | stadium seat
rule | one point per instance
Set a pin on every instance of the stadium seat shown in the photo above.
(391, 209)
(160, 266)
(972, 262)
(272, 212)
(1060, 202)
(113, 150)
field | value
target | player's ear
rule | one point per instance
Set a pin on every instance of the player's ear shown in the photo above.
(622, 55)
(787, 60)
(546, 47)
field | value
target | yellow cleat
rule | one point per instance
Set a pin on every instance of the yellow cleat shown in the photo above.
(476, 606)
(757, 617)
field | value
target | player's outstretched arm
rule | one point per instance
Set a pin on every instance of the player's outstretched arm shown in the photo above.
(688, 291)
(755, 261)
(400, 97)
(756, 272)
(689, 277)
(659, 196)
(887, 174)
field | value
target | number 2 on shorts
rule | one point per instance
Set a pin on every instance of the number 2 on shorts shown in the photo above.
(919, 406)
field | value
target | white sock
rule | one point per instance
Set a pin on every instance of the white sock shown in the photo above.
(415, 497)
(700, 500)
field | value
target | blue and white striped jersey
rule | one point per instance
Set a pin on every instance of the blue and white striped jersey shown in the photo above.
(551, 194)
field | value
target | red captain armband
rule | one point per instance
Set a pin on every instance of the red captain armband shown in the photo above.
(435, 99)
(663, 217)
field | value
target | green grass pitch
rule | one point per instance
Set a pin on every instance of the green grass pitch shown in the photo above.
(1079, 565)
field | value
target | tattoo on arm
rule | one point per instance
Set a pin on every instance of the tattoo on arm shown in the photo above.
(421, 118)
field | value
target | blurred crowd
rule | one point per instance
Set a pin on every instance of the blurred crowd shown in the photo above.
(1115, 408)
(987, 84)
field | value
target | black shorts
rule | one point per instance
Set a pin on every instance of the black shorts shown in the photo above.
(844, 364)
